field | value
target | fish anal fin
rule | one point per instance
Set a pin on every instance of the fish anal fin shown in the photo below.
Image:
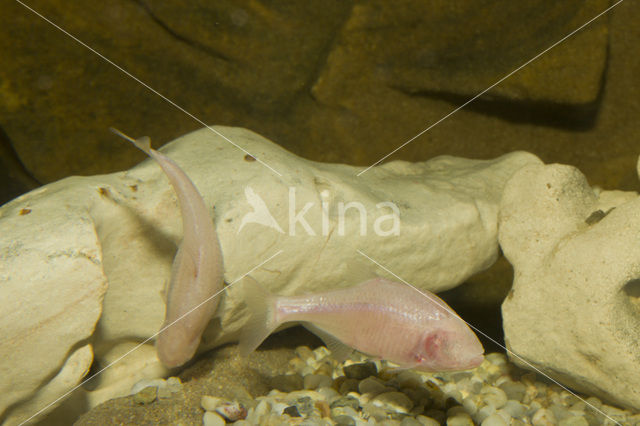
(339, 350)
(261, 323)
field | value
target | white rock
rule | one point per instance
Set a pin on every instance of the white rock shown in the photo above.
(573, 311)
(212, 419)
(120, 231)
(210, 403)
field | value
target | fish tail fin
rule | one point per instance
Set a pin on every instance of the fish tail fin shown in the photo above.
(262, 320)
(143, 143)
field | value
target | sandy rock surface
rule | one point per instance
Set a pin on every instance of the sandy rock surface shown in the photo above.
(573, 310)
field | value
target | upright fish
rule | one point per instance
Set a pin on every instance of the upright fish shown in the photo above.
(382, 318)
(197, 271)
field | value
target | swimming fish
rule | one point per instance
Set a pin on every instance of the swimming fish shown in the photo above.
(197, 270)
(381, 318)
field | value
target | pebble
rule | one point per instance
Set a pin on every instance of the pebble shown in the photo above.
(543, 417)
(320, 391)
(305, 353)
(493, 396)
(231, 410)
(164, 387)
(377, 413)
(145, 383)
(514, 408)
(513, 390)
(346, 401)
(427, 421)
(409, 421)
(393, 402)
(146, 395)
(342, 420)
(291, 411)
(212, 419)
(174, 384)
(494, 419)
(460, 420)
(371, 385)
(348, 385)
(209, 403)
(573, 421)
(360, 371)
(305, 405)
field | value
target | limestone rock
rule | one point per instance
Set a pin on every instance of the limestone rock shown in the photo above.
(51, 291)
(63, 244)
(574, 310)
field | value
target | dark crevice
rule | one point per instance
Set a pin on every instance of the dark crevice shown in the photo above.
(15, 178)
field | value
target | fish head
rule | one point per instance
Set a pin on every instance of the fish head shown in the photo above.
(448, 348)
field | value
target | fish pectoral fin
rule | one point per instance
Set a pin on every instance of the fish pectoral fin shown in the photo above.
(339, 350)
(400, 368)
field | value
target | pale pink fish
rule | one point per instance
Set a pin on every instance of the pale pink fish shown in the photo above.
(197, 271)
(381, 318)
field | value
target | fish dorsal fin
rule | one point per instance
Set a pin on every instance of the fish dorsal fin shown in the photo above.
(339, 350)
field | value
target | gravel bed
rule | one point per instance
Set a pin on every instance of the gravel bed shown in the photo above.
(317, 390)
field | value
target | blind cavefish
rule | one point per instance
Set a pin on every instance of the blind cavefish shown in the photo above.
(197, 270)
(381, 318)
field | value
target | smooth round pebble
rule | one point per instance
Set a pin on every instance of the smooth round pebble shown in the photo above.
(360, 371)
(209, 403)
(146, 395)
(513, 390)
(329, 393)
(349, 385)
(212, 419)
(343, 411)
(304, 352)
(427, 421)
(145, 383)
(543, 417)
(460, 420)
(494, 419)
(514, 408)
(494, 396)
(393, 402)
(409, 421)
(371, 385)
(560, 412)
(377, 413)
(343, 420)
(346, 401)
(231, 410)
(573, 421)
(484, 412)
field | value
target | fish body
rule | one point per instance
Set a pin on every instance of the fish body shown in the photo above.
(379, 317)
(197, 270)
